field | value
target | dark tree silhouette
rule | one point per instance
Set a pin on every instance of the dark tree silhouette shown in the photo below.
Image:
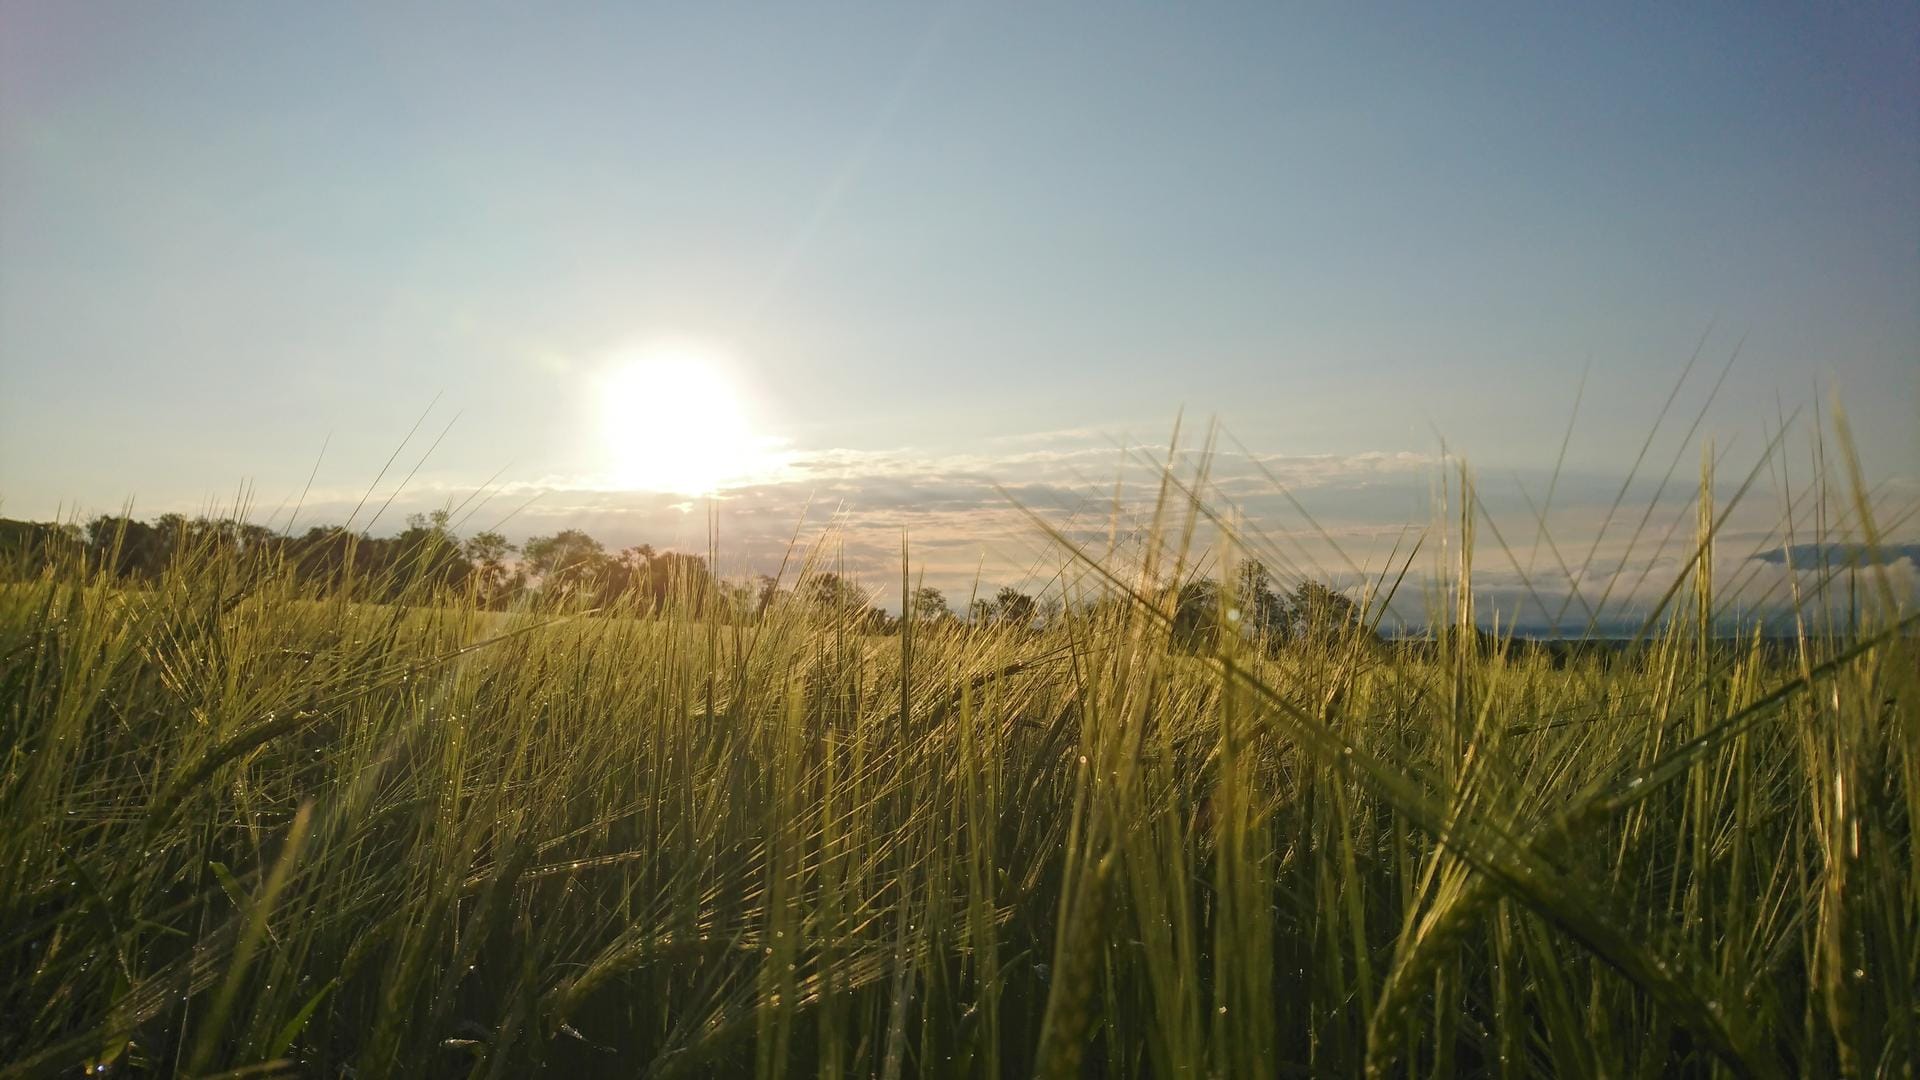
(126, 547)
(26, 546)
(492, 579)
(655, 576)
(828, 590)
(427, 558)
(568, 562)
(1264, 613)
(1196, 615)
(1319, 614)
(1011, 607)
(428, 553)
(930, 605)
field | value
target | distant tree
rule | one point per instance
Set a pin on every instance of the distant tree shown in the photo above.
(495, 582)
(1012, 607)
(325, 555)
(568, 562)
(126, 547)
(1312, 612)
(875, 620)
(657, 576)
(28, 546)
(435, 524)
(213, 535)
(766, 592)
(258, 541)
(623, 575)
(176, 532)
(930, 605)
(1316, 613)
(428, 553)
(738, 599)
(1263, 612)
(1196, 615)
(833, 593)
(489, 550)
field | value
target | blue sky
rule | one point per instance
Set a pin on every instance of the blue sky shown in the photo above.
(937, 240)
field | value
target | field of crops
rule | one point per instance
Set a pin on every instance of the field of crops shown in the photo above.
(249, 826)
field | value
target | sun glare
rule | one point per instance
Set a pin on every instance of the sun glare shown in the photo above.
(671, 422)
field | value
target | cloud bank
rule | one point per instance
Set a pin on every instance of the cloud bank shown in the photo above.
(1006, 513)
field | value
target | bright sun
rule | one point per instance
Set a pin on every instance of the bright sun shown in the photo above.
(671, 422)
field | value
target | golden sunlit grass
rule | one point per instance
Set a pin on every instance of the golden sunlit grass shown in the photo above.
(253, 826)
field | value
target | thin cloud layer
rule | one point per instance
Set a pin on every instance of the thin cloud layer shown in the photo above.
(1576, 561)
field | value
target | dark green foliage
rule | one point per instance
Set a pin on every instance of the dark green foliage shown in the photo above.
(38, 544)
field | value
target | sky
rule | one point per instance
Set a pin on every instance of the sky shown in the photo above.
(875, 260)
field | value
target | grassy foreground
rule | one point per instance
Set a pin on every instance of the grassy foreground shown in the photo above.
(251, 827)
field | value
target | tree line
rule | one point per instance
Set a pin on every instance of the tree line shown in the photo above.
(572, 566)
(427, 554)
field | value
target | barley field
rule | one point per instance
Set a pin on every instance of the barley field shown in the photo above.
(256, 827)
